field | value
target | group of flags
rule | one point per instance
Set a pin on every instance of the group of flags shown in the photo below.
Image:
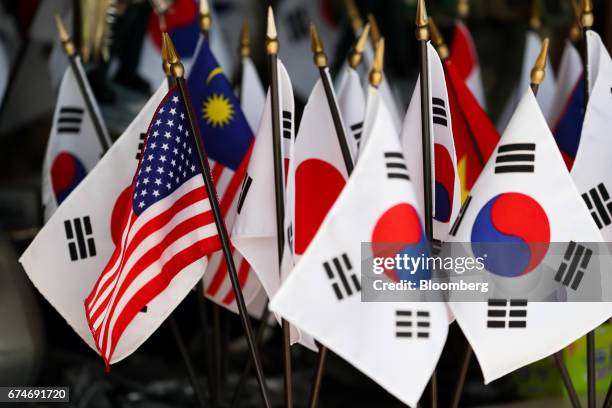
(130, 231)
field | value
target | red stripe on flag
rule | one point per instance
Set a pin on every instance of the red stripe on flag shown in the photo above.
(243, 275)
(217, 280)
(233, 188)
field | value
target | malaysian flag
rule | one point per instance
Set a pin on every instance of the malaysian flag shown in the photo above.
(228, 140)
(167, 231)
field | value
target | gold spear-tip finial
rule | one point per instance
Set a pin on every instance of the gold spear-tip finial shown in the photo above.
(535, 15)
(586, 14)
(245, 39)
(422, 21)
(463, 8)
(205, 19)
(575, 32)
(356, 55)
(374, 30)
(67, 42)
(319, 57)
(176, 67)
(438, 40)
(353, 14)
(165, 60)
(538, 71)
(271, 34)
(376, 74)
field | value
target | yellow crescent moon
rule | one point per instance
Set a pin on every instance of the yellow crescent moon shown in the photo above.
(213, 74)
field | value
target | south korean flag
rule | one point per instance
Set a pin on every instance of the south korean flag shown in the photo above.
(528, 225)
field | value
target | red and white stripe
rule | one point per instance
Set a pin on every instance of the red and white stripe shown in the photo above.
(155, 247)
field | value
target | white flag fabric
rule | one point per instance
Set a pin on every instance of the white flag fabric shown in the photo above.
(546, 91)
(570, 72)
(446, 185)
(591, 170)
(74, 147)
(254, 231)
(323, 292)
(294, 18)
(351, 102)
(252, 94)
(68, 254)
(525, 196)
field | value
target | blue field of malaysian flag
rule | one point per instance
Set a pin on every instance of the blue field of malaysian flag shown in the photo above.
(166, 235)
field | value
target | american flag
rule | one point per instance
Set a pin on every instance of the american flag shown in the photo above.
(228, 140)
(167, 227)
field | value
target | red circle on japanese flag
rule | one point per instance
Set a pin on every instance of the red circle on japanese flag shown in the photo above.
(317, 185)
(118, 215)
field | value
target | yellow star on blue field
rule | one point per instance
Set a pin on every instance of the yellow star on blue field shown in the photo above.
(217, 110)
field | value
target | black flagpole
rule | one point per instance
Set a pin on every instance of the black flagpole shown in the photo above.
(586, 20)
(537, 77)
(320, 60)
(272, 47)
(81, 78)
(422, 36)
(177, 70)
(608, 400)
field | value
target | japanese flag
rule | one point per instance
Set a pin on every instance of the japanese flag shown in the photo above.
(445, 181)
(378, 204)
(526, 200)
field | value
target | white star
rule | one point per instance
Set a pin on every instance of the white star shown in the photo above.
(180, 168)
(161, 110)
(160, 170)
(157, 182)
(173, 111)
(189, 150)
(158, 122)
(175, 150)
(141, 204)
(145, 181)
(177, 139)
(162, 158)
(167, 135)
(184, 145)
(150, 157)
(184, 174)
(173, 162)
(171, 174)
(156, 193)
(175, 99)
(155, 134)
(153, 145)
(186, 133)
(182, 157)
(182, 115)
(165, 146)
(143, 193)
(148, 169)
(168, 185)
(170, 123)
(192, 168)
(180, 127)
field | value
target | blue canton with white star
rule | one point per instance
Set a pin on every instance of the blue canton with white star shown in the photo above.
(169, 157)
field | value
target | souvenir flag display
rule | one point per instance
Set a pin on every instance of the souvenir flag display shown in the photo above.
(228, 140)
(591, 171)
(445, 179)
(465, 58)
(546, 91)
(351, 102)
(74, 147)
(372, 333)
(254, 231)
(182, 24)
(525, 199)
(69, 253)
(252, 94)
(474, 134)
(567, 114)
(294, 18)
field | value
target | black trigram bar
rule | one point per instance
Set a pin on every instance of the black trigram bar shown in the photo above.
(287, 124)
(403, 323)
(515, 158)
(396, 167)
(141, 142)
(502, 313)
(69, 119)
(575, 262)
(422, 323)
(244, 190)
(145, 309)
(409, 324)
(80, 240)
(298, 24)
(356, 132)
(598, 201)
(337, 270)
(438, 110)
(457, 224)
(290, 237)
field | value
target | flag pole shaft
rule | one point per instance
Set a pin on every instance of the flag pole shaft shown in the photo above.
(199, 394)
(280, 214)
(225, 242)
(608, 400)
(426, 138)
(467, 357)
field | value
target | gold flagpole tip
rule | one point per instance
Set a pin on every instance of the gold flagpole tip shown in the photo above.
(422, 21)
(538, 71)
(353, 14)
(271, 34)
(356, 55)
(438, 40)
(67, 42)
(575, 32)
(319, 57)
(586, 14)
(376, 74)
(374, 30)
(245, 39)
(171, 57)
(535, 16)
(205, 20)
(463, 8)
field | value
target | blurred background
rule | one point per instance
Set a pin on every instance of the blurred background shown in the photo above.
(119, 41)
